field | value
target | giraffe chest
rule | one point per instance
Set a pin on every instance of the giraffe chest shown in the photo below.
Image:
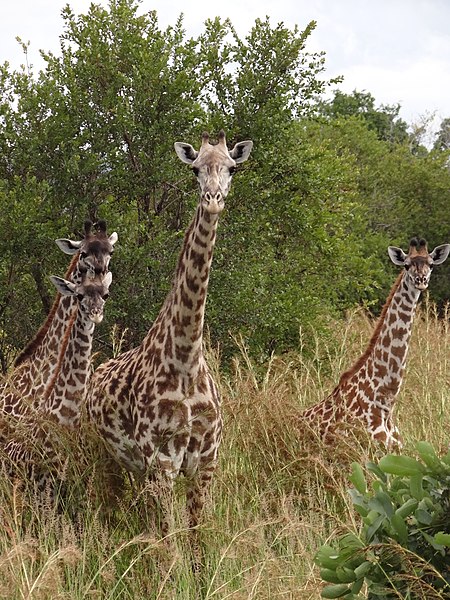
(143, 413)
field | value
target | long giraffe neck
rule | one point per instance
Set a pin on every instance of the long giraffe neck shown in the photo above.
(37, 362)
(66, 389)
(383, 363)
(180, 322)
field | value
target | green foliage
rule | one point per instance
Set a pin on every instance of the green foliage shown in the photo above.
(384, 121)
(403, 548)
(309, 217)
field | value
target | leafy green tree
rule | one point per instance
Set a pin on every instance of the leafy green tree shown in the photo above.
(93, 136)
(384, 120)
(442, 141)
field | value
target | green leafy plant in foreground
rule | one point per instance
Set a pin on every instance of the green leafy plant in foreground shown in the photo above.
(403, 547)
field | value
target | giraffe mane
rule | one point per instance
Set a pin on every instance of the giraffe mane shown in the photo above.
(375, 335)
(32, 346)
(64, 343)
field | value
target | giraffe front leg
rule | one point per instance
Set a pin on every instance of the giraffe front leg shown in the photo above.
(198, 485)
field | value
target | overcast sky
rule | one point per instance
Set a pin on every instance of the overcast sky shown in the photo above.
(398, 50)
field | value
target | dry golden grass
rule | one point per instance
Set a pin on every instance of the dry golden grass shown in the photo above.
(277, 496)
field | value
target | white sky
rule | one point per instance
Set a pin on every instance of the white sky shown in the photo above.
(398, 50)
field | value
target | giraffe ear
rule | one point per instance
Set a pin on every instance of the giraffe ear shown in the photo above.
(241, 151)
(64, 287)
(68, 246)
(113, 238)
(440, 254)
(107, 279)
(397, 255)
(185, 152)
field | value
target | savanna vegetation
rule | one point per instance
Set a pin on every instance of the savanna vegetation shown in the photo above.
(300, 268)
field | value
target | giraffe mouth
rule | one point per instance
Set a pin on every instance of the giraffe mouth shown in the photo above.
(96, 318)
(213, 206)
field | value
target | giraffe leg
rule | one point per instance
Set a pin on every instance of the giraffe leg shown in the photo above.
(196, 493)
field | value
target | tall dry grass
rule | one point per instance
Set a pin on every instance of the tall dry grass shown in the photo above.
(277, 496)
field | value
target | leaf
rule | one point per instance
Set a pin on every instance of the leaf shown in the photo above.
(407, 508)
(359, 502)
(399, 525)
(443, 539)
(358, 479)
(329, 575)
(403, 466)
(428, 455)
(416, 487)
(335, 591)
(372, 529)
(382, 503)
(363, 569)
(345, 575)
(422, 516)
(327, 557)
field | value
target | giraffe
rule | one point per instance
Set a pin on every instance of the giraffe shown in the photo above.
(65, 390)
(64, 393)
(157, 406)
(35, 365)
(367, 391)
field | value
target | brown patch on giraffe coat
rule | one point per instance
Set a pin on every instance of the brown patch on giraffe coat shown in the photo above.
(399, 332)
(386, 340)
(186, 300)
(381, 371)
(398, 351)
(198, 260)
(192, 285)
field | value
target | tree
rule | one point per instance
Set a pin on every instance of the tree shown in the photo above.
(442, 141)
(383, 120)
(92, 136)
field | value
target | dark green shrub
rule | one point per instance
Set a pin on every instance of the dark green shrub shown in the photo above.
(403, 547)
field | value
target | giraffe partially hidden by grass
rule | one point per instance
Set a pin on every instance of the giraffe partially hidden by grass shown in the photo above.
(368, 390)
(62, 398)
(157, 406)
(50, 374)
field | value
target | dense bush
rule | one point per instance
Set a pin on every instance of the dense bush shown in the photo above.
(403, 547)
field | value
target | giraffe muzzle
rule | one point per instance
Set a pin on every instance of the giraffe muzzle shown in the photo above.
(96, 318)
(213, 203)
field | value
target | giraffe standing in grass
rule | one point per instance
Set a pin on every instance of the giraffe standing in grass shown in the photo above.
(64, 393)
(50, 374)
(367, 391)
(157, 406)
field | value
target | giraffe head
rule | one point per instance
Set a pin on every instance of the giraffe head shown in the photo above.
(91, 295)
(419, 262)
(214, 166)
(95, 249)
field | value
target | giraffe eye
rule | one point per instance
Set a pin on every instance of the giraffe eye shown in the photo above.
(105, 296)
(80, 297)
(232, 170)
(406, 265)
(83, 254)
(196, 171)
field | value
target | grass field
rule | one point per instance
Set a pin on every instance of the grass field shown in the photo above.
(277, 494)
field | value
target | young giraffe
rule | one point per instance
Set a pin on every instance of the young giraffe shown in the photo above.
(368, 390)
(157, 406)
(34, 366)
(65, 390)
